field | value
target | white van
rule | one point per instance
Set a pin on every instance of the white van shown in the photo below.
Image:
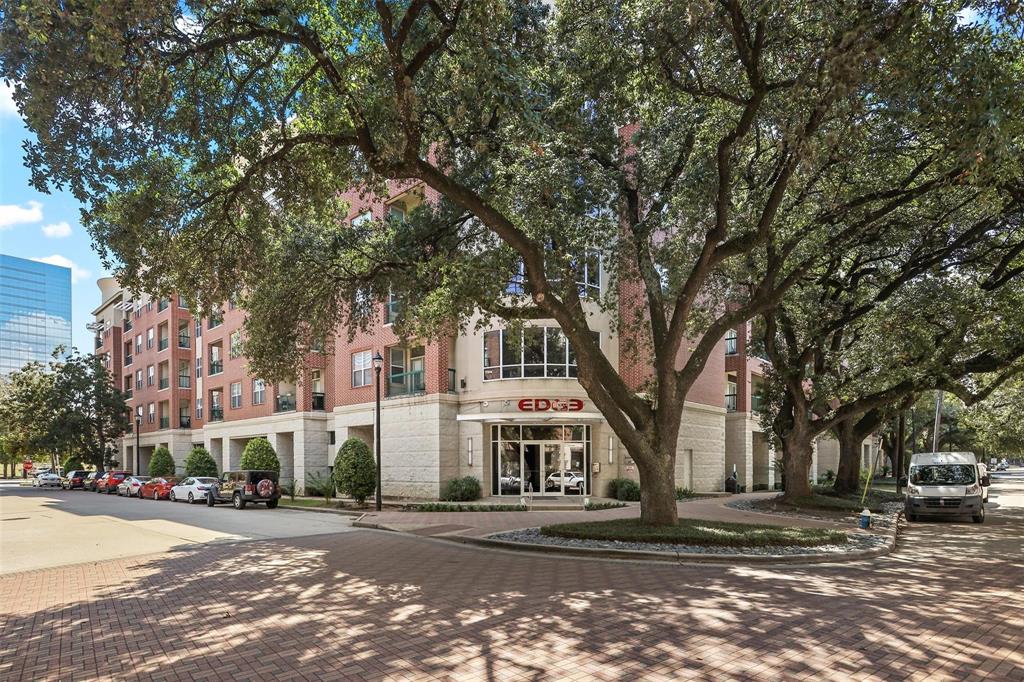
(945, 483)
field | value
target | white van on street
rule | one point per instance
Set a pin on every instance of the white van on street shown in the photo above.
(945, 484)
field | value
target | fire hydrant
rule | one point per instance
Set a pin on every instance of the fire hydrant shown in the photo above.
(865, 519)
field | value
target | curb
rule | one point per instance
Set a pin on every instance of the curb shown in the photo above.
(339, 512)
(684, 558)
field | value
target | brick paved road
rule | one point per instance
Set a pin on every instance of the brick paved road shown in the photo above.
(374, 605)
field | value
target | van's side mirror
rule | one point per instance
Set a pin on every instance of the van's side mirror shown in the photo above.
(903, 480)
(986, 481)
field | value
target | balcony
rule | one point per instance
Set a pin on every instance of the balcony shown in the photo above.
(406, 384)
(127, 326)
(451, 381)
(99, 342)
(183, 340)
(185, 422)
(319, 401)
(284, 403)
(127, 393)
(216, 413)
(164, 383)
(165, 422)
(216, 367)
(127, 360)
(182, 303)
(184, 381)
(756, 403)
(162, 305)
(163, 344)
(730, 403)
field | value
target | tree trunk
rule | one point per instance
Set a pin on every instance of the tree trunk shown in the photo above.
(658, 487)
(848, 476)
(797, 452)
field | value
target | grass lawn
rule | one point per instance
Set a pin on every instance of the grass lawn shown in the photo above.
(824, 499)
(309, 502)
(695, 532)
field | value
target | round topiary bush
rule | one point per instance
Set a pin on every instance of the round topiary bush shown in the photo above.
(628, 490)
(161, 463)
(355, 472)
(200, 463)
(259, 455)
(464, 489)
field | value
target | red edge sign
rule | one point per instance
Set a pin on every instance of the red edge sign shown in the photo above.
(550, 405)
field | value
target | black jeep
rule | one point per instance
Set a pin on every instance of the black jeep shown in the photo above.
(242, 487)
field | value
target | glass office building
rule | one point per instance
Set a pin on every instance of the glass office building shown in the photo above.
(35, 311)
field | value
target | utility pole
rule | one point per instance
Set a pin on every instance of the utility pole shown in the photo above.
(938, 421)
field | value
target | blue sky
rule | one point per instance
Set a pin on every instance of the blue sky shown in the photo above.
(44, 227)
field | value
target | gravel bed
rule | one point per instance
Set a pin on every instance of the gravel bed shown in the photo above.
(856, 542)
(886, 519)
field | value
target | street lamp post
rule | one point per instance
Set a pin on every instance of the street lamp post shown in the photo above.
(378, 363)
(138, 438)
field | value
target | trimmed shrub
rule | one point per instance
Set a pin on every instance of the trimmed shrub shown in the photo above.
(259, 455)
(445, 507)
(613, 487)
(200, 463)
(464, 489)
(161, 463)
(627, 490)
(355, 472)
(684, 493)
(598, 506)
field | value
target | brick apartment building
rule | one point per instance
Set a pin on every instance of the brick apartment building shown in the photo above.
(509, 412)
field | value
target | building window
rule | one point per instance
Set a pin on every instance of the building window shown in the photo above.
(182, 303)
(362, 369)
(588, 275)
(199, 408)
(517, 283)
(235, 344)
(152, 413)
(138, 344)
(150, 374)
(138, 412)
(730, 342)
(138, 379)
(199, 328)
(236, 394)
(259, 391)
(540, 352)
(363, 217)
(215, 320)
(391, 309)
(396, 213)
(730, 396)
(149, 338)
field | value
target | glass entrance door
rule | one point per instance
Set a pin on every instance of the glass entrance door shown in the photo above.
(553, 468)
(531, 467)
(542, 468)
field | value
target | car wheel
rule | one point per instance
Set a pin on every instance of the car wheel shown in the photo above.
(237, 500)
(272, 504)
(156, 496)
(209, 500)
(911, 517)
(191, 498)
(171, 497)
(980, 516)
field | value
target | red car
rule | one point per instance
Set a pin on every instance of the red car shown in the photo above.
(109, 481)
(157, 489)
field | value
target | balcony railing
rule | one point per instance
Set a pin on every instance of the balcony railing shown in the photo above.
(183, 341)
(165, 382)
(182, 303)
(319, 401)
(730, 403)
(184, 381)
(163, 343)
(99, 342)
(284, 403)
(127, 360)
(756, 403)
(451, 381)
(165, 422)
(162, 305)
(216, 367)
(127, 393)
(216, 414)
(406, 383)
(127, 325)
(185, 422)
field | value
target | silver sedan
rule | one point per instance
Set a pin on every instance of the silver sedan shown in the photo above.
(47, 480)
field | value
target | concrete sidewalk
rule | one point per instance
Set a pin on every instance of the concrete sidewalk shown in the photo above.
(480, 524)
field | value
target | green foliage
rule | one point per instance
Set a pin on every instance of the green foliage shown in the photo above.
(161, 463)
(288, 489)
(319, 485)
(684, 494)
(259, 454)
(72, 463)
(624, 489)
(200, 463)
(443, 507)
(696, 532)
(355, 472)
(597, 506)
(464, 489)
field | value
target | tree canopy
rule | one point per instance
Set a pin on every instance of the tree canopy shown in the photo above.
(704, 151)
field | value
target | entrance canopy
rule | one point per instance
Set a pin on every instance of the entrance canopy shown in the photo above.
(531, 417)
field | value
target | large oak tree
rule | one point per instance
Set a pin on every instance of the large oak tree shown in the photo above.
(709, 151)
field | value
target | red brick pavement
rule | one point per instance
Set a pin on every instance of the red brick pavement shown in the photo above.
(376, 605)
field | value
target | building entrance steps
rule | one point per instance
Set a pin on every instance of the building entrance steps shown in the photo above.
(480, 524)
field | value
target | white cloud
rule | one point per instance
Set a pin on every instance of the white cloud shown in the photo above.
(57, 230)
(7, 105)
(13, 214)
(77, 273)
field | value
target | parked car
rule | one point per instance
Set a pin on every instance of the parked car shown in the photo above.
(945, 483)
(46, 481)
(242, 487)
(129, 487)
(74, 479)
(573, 480)
(157, 488)
(192, 488)
(109, 481)
(91, 480)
